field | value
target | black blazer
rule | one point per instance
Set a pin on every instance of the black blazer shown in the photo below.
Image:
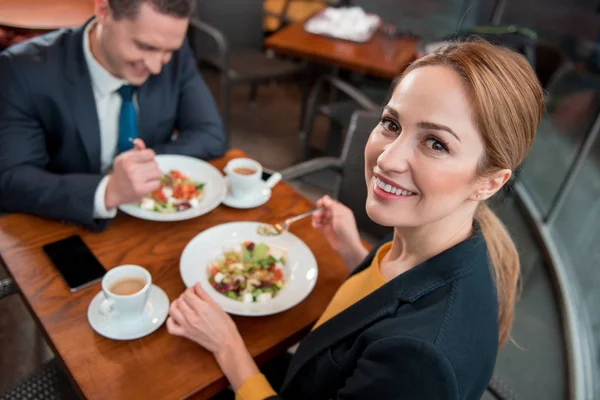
(49, 132)
(430, 333)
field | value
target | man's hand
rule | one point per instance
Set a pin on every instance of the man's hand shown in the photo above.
(135, 174)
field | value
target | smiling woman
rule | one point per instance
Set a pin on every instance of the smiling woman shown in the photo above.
(422, 315)
(458, 123)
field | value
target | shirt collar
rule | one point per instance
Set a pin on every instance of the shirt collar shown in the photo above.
(103, 82)
(376, 265)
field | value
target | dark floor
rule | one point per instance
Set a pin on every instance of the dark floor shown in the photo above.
(533, 364)
(268, 128)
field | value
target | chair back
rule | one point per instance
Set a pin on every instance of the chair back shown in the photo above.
(426, 18)
(551, 63)
(240, 21)
(351, 188)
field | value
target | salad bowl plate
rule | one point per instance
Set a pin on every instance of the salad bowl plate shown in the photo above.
(200, 172)
(298, 265)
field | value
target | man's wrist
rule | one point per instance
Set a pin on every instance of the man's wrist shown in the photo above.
(109, 197)
(101, 211)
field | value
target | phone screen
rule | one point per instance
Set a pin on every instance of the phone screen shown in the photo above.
(75, 261)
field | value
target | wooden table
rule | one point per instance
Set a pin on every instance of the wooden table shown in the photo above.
(23, 19)
(297, 10)
(381, 57)
(45, 14)
(158, 366)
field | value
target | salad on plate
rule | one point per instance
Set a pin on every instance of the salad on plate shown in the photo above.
(250, 273)
(177, 193)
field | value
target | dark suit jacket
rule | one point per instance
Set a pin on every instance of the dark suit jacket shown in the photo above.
(430, 333)
(49, 132)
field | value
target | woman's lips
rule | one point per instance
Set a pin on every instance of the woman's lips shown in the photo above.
(386, 191)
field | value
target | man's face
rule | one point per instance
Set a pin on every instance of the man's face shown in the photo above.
(132, 49)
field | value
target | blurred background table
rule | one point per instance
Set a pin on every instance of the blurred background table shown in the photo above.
(18, 22)
(292, 10)
(382, 56)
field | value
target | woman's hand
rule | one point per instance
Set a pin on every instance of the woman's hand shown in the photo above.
(337, 223)
(195, 316)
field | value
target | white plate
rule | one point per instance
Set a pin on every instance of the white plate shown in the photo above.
(300, 272)
(155, 313)
(215, 188)
(259, 196)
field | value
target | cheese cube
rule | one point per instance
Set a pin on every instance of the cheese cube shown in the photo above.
(263, 297)
(219, 277)
(147, 204)
(247, 298)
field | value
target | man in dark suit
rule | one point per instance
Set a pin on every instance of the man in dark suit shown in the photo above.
(72, 102)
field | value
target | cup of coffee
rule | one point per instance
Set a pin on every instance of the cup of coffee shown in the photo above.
(244, 175)
(126, 289)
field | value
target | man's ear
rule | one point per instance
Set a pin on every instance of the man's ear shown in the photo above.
(102, 10)
(490, 184)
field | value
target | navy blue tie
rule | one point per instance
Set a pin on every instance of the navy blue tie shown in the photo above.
(128, 129)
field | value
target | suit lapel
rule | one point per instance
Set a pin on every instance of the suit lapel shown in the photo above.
(146, 112)
(81, 98)
(372, 308)
(439, 270)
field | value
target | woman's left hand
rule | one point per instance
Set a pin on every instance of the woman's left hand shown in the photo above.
(195, 316)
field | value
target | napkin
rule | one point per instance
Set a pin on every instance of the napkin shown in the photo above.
(349, 23)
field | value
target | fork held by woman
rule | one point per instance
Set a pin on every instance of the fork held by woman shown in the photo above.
(278, 229)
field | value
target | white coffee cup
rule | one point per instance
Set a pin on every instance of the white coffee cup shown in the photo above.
(124, 307)
(243, 183)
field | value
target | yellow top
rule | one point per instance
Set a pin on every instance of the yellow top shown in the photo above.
(354, 289)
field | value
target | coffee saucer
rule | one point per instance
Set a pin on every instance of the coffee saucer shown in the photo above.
(155, 313)
(257, 197)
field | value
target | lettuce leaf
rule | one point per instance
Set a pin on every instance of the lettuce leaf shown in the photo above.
(260, 252)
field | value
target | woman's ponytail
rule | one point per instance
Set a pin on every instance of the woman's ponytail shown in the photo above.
(504, 261)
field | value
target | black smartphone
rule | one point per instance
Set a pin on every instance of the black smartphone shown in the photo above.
(76, 263)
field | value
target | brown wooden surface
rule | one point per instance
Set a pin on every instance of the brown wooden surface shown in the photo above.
(380, 57)
(297, 10)
(158, 366)
(45, 14)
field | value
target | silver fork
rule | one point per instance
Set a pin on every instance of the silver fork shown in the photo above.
(278, 229)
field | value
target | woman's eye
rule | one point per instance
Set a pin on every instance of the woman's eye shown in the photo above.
(436, 145)
(389, 125)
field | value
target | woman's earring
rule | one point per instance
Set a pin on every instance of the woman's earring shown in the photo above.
(477, 196)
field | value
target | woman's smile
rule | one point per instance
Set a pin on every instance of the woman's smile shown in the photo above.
(385, 189)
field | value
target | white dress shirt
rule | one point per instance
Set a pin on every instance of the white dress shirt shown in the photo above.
(108, 107)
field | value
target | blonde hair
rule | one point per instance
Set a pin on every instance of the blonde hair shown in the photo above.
(508, 103)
